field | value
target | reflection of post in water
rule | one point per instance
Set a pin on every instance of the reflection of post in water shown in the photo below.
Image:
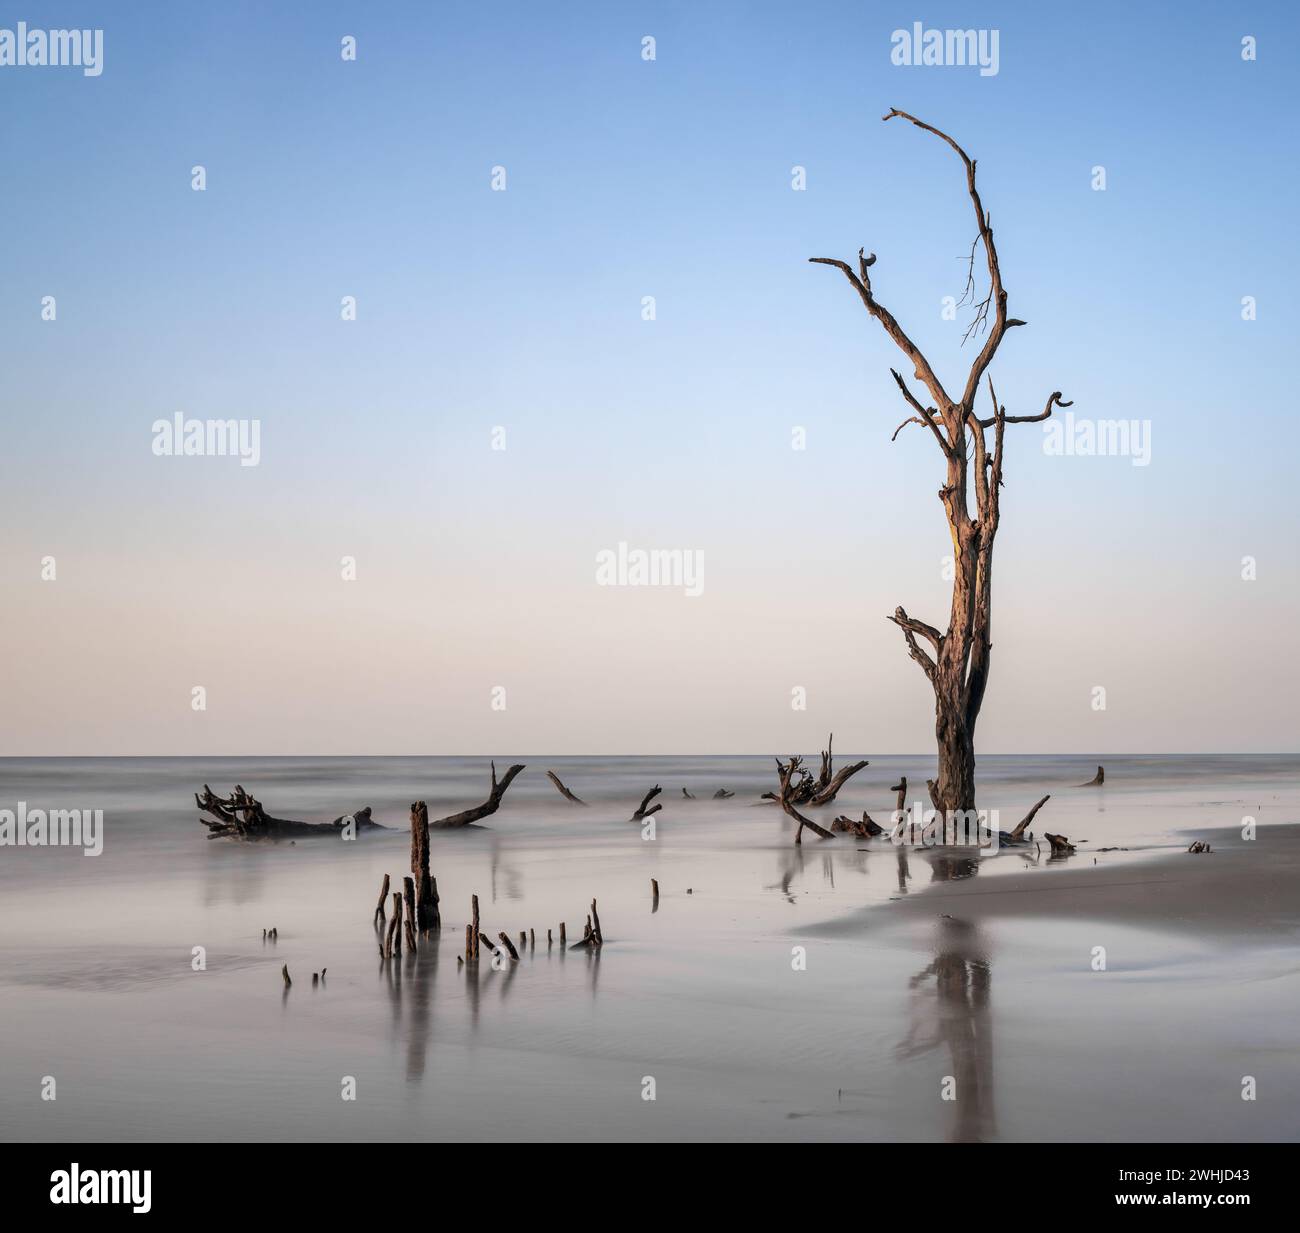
(956, 1012)
(422, 973)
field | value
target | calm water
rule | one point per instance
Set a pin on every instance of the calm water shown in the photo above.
(705, 995)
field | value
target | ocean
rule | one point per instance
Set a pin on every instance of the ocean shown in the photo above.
(773, 992)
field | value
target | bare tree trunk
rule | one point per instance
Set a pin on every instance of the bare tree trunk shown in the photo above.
(956, 662)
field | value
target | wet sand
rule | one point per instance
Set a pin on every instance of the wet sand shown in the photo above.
(1248, 888)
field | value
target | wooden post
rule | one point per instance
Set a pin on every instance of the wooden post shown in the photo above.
(395, 928)
(509, 945)
(409, 884)
(469, 942)
(595, 925)
(408, 890)
(426, 912)
(654, 894)
(474, 925)
(562, 933)
(284, 971)
(383, 899)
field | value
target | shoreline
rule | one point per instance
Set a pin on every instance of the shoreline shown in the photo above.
(1240, 887)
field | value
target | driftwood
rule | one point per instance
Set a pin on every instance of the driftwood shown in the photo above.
(809, 789)
(591, 934)
(1200, 846)
(687, 795)
(1017, 835)
(783, 799)
(721, 794)
(866, 829)
(489, 806)
(641, 810)
(508, 944)
(1061, 845)
(564, 792)
(425, 909)
(241, 816)
(1097, 779)
(383, 900)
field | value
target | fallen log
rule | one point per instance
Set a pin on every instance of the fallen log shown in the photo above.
(564, 792)
(242, 816)
(489, 806)
(1098, 778)
(641, 810)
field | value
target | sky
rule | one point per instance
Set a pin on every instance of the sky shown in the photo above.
(475, 622)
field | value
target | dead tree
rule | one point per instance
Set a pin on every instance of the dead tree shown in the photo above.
(783, 799)
(564, 792)
(427, 918)
(956, 662)
(489, 806)
(641, 810)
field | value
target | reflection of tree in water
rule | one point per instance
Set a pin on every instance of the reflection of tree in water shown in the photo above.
(949, 867)
(955, 1012)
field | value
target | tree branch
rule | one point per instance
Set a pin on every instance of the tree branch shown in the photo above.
(1054, 399)
(862, 285)
(911, 628)
(997, 293)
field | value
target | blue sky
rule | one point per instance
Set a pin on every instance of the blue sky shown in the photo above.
(523, 309)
